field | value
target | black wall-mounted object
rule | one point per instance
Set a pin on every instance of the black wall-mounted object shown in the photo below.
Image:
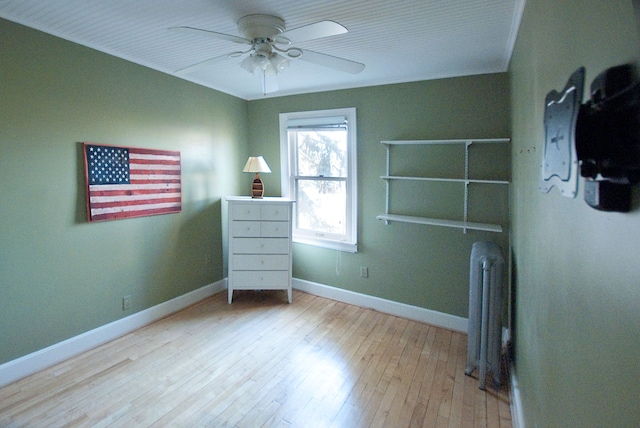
(608, 139)
(603, 133)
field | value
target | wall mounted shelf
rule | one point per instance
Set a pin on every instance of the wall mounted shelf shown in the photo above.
(466, 181)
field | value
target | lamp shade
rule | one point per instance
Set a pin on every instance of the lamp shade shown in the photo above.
(256, 164)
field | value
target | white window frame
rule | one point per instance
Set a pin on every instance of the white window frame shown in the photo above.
(349, 241)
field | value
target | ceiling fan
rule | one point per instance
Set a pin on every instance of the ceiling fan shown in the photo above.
(270, 47)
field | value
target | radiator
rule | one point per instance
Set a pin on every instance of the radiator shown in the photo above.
(485, 309)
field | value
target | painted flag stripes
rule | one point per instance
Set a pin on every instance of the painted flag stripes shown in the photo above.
(125, 182)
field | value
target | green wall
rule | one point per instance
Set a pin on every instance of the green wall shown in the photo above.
(60, 275)
(425, 266)
(577, 269)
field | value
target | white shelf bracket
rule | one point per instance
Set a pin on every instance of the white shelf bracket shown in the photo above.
(466, 182)
(387, 183)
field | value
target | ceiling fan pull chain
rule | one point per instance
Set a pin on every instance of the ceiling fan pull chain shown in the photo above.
(264, 83)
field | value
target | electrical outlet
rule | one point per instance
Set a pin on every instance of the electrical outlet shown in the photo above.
(126, 303)
(364, 272)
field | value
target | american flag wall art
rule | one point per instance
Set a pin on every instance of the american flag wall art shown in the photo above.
(124, 182)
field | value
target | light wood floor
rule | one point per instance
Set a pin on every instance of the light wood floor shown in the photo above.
(263, 362)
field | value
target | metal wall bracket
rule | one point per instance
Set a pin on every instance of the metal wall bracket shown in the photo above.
(559, 165)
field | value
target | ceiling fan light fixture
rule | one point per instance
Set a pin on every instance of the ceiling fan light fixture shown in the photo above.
(274, 65)
(278, 62)
(255, 62)
(270, 65)
(249, 64)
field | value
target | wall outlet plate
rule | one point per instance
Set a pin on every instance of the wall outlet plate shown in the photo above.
(126, 303)
(364, 272)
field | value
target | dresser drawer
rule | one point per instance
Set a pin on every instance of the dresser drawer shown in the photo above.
(261, 246)
(275, 229)
(245, 228)
(260, 262)
(248, 211)
(267, 229)
(268, 280)
(274, 212)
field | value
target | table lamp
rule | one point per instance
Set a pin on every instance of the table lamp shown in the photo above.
(256, 164)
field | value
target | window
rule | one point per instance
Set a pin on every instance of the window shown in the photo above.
(318, 157)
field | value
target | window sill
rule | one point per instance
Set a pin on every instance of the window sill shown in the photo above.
(348, 247)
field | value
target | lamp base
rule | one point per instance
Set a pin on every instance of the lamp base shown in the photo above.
(257, 188)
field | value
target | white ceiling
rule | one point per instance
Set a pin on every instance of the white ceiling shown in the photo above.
(397, 40)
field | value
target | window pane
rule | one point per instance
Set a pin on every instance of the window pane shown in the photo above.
(321, 205)
(321, 153)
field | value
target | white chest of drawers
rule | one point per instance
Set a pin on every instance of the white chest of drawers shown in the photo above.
(259, 244)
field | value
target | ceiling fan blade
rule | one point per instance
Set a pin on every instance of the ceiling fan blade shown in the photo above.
(201, 32)
(330, 61)
(312, 31)
(202, 64)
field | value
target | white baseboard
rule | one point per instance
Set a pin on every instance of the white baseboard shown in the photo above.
(517, 418)
(439, 319)
(39, 360)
